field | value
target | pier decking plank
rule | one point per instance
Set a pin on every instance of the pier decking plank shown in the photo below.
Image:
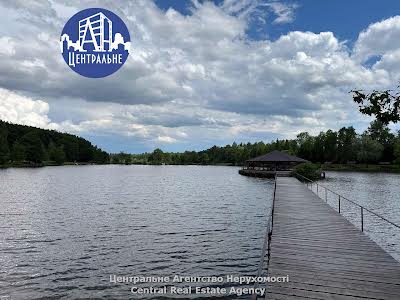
(325, 256)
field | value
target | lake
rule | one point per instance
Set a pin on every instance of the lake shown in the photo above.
(65, 230)
(379, 192)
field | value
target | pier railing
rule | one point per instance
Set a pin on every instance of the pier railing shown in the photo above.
(319, 187)
(266, 249)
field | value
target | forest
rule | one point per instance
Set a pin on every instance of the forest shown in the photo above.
(22, 145)
(376, 145)
(30, 146)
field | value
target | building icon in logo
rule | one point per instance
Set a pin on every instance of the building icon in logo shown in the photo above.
(95, 42)
(96, 31)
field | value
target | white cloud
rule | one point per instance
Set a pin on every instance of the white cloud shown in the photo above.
(7, 46)
(196, 77)
(20, 109)
(285, 13)
(165, 139)
(261, 10)
(378, 39)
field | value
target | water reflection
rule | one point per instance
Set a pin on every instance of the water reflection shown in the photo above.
(66, 229)
(378, 192)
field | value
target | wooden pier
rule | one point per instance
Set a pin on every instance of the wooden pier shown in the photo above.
(325, 256)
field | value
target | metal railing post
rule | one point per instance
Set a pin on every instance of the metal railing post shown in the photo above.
(266, 249)
(362, 219)
(310, 184)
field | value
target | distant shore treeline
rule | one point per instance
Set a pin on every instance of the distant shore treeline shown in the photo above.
(376, 145)
(30, 146)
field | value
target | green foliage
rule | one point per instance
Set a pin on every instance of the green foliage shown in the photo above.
(157, 157)
(28, 144)
(33, 147)
(397, 150)
(56, 154)
(18, 152)
(384, 105)
(100, 156)
(370, 150)
(346, 149)
(308, 170)
(376, 144)
(380, 132)
(121, 158)
(330, 146)
(4, 148)
(305, 144)
(20, 143)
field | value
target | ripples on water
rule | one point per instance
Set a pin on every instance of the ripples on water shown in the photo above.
(64, 230)
(379, 192)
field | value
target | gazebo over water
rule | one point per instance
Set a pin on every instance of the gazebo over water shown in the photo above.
(268, 164)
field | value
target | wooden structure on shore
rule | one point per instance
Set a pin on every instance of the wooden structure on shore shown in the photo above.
(325, 256)
(268, 164)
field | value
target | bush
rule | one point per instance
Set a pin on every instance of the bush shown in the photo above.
(309, 170)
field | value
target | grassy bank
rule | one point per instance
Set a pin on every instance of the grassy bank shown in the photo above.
(361, 168)
(27, 164)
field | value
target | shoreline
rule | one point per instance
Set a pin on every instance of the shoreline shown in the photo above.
(361, 168)
(53, 164)
(373, 168)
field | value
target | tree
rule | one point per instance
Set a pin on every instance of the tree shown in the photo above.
(204, 159)
(56, 154)
(346, 144)
(397, 151)
(308, 170)
(305, 145)
(396, 148)
(71, 148)
(18, 152)
(102, 157)
(370, 151)
(380, 132)
(157, 157)
(85, 150)
(384, 105)
(4, 149)
(120, 158)
(37, 145)
(330, 145)
(318, 154)
(33, 147)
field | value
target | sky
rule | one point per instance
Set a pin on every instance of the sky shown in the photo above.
(201, 73)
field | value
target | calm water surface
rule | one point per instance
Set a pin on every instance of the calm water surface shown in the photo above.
(379, 192)
(65, 230)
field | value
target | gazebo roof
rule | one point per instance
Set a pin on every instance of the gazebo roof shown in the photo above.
(277, 156)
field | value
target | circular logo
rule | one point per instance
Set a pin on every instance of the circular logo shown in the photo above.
(95, 42)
